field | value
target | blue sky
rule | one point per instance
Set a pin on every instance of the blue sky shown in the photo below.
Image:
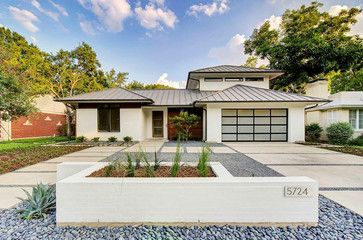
(151, 39)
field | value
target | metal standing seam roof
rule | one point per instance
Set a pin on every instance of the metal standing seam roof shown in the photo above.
(174, 97)
(113, 94)
(242, 93)
(233, 68)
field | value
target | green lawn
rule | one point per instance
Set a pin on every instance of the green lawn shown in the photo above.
(31, 142)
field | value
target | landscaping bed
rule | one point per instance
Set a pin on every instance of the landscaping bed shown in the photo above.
(14, 159)
(30, 142)
(347, 149)
(162, 171)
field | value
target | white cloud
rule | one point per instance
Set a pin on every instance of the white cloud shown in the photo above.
(232, 52)
(155, 15)
(87, 27)
(25, 18)
(52, 15)
(275, 22)
(216, 6)
(357, 29)
(111, 13)
(163, 79)
(61, 9)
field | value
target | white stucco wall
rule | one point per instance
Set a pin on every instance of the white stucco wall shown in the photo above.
(46, 104)
(213, 86)
(296, 116)
(317, 89)
(131, 124)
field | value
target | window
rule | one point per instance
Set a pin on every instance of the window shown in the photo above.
(234, 79)
(108, 118)
(254, 79)
(356, 118)
(213, 79)
(332, 116)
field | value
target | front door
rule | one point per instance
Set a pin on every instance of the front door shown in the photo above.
(158, 124)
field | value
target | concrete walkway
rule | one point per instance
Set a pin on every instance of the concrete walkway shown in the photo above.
(11, 184)
(340, 175)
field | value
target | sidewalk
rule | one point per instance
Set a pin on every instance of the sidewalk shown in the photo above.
(11, 184)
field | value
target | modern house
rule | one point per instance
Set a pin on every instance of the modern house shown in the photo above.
(233, 102)
(346, 106)
(46, 122)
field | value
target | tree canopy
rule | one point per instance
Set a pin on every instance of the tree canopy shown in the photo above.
(308, 44)
(135, 85)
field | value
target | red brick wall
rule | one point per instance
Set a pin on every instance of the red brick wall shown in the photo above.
(40, 127)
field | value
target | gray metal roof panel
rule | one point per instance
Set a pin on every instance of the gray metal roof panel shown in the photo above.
(112, 94)
(233, 68)
(243, 93)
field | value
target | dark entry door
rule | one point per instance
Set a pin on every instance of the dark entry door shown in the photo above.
(158, 124)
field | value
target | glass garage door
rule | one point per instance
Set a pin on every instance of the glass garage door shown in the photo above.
(254, 125)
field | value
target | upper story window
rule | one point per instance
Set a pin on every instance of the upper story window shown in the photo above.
(356, 118)
(254, 79)
(213, 79)
(234, 79)
(108, 118)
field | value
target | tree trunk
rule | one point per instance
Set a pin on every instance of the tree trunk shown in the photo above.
(68, 120)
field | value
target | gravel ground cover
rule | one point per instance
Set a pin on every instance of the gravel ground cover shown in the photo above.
(336, 222)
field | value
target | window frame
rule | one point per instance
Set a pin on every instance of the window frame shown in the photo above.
(357, 119)
(246, 79)
(236, 79)
(109, 108)
(213, 79)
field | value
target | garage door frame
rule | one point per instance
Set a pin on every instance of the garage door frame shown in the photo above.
(286, 116)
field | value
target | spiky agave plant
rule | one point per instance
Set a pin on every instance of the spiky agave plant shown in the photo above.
(203, 161)
(175, 167)
(39, 203)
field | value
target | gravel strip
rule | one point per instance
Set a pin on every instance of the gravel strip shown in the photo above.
(336, 222)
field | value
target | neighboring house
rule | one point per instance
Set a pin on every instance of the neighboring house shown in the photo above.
(344, 107)
(234, 103)
(47, 121)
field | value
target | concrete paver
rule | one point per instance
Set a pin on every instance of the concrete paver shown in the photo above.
(39, 167)
(349, 199)
(29, 178)
(77, 159)
(308, 158)
(9, 196)
(170, 150)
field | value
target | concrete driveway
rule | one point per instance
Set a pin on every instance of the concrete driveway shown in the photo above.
(340, 175)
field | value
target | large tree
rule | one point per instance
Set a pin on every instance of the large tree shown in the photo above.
(135, 85)
(308, 44)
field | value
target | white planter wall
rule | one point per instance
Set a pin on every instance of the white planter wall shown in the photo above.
(224, 199)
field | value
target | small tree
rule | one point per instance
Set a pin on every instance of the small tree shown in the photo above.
(183, 123)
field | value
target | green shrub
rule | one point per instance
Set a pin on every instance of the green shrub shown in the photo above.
(127, 139)
(358, 141)
(39, 203)
(175, 167)
(203, 167)
(339, 133)
(96, 139)
(81, 139)
(112, 139)
(149, 170)
(313, 132)
(109, 169)
(130, 166)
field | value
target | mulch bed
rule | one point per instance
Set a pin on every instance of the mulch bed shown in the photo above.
(162, 171)
(17, 158)
(351, 150)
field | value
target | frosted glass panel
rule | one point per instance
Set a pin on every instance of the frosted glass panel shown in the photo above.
(229, 120)
(229, 112)
(262, 120)
(262, 112)
(229, 137)
(278, 120)
(245, 120)
(262, 137)
(245, 137)
(278, 129)
(278, 137)
(245, 112)
(229, 129)
(245, 129)
(262, 129)
(278, 112)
